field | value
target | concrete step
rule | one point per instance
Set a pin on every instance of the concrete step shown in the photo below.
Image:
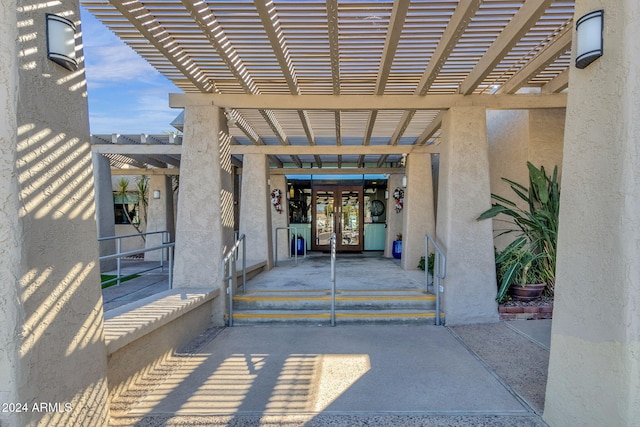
(352, 306)
(345, 300)
(323, 317)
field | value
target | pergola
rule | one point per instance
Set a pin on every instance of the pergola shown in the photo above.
(348, 83)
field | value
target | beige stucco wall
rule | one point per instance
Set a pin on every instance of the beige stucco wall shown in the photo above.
(53, 349)
(594, 366)
(256, 208)
(11, 232)
(418, 215)
(133, 368)
(159, 215)
(394, 219)
(546, 138)
(105, 218)
(516, 137)
(280, 219)
(463, 193)
(205, 223)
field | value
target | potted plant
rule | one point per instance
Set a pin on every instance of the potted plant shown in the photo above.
(396, 249)
(532, 255)
(429, 264)
(521, 271)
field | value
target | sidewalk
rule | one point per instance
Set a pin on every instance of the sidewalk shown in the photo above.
(352, 375)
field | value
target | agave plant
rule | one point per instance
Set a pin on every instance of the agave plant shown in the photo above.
(517, 264)
(538, 224)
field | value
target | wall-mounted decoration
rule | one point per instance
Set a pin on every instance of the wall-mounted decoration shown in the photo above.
(398, 195)
(276, 200)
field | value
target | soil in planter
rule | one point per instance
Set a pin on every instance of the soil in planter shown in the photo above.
(542, 301)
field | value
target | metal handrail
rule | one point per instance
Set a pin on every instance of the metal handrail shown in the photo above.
(166, 238)
(229, 271)
(333, 278)
(119, 255)
(295, 252)
(439, 270)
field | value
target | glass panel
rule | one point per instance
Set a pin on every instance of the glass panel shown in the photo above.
(350, 218)
(324, 217)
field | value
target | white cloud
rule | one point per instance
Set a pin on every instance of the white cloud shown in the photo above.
(116, 64)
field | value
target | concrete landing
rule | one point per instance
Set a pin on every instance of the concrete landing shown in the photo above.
(346, 370)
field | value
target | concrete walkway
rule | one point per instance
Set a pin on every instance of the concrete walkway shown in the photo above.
(348, 375)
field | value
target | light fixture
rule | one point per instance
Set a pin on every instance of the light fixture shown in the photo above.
(156, 194)
(386, 194)
(589, 41)
(61, 41)
(404, 181)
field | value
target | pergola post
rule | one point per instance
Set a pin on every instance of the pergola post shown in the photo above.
(463, 194)
(204, 230)
(255, 211)
(594, 365)
(418, 211)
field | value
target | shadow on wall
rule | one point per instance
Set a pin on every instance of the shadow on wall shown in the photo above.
(62, 364)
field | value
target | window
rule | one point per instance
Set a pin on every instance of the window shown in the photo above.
(125, 208)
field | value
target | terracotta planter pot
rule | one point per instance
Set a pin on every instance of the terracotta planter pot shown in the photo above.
(527, 292)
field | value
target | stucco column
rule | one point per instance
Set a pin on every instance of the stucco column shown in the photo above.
(105, 218)
(280, 219)
(594, 366)
(204, 228)
(52, 346)
(10, 226)
(256, 207)
(463, 193)
(418, 209)
(159, 214)
(394, 219)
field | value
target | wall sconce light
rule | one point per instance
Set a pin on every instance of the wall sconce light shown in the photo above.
(589, 41)
(156, 194)
(404, 181)
(61, 41)
(386, 194)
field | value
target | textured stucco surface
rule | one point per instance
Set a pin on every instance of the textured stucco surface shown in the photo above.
(463, 193)
(159, 215)
(594, 368)
(515, 137)
(280, 219)
(56, 305)
(418, 209)
(394, 219)
(546, 138)
(105, 217)
(255, 212)
(128, 365)
(204, 227)
(11, 233)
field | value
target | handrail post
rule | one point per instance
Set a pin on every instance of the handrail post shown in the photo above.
(227, 278)
(170, 252)
(118, 266)
(244, 262)
(439, 271)
(333, 279)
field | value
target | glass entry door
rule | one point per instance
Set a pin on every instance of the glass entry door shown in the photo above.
(337, 209)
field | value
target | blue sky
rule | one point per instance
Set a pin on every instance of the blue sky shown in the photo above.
(126, 94)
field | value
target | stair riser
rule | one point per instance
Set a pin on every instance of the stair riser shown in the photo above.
(339, 321)
(420, 305)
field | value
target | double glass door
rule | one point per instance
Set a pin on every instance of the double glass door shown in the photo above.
(337, 209)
